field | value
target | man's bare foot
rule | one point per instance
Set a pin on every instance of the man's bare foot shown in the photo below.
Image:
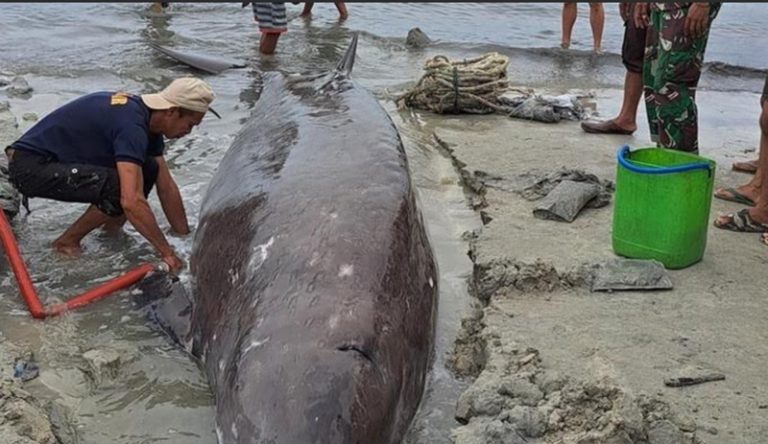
(565, 45)
(66, 249)
(756, 218)
(749, 166)
(611, 126)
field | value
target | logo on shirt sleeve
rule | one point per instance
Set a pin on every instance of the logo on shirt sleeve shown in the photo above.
(119, 98)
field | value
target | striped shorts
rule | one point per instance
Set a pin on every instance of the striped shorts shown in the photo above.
(271, 17)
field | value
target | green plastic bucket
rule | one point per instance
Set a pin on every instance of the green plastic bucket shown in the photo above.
(661, 208)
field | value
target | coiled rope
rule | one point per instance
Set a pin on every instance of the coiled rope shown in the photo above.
(465, 86)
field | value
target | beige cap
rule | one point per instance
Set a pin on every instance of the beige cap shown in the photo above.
(187, 92)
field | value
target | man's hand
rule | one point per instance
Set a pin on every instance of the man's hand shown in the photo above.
(641, 15)
(697, 20)
(175, 264)
(137, 209)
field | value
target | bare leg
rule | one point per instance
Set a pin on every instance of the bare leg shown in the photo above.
(268, 42)
(569, 18)
(342, 8)
(754, 189)
(597, 22)
(761, 204)
(626, 121)
(633, 91)
(761, 208)
(307, 11)
(69, 242)
(759, 212)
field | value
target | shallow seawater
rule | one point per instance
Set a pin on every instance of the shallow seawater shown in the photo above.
(66, 50)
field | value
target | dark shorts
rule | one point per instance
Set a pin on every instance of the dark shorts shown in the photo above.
(633, 47)
(39, 176)
(764, 97)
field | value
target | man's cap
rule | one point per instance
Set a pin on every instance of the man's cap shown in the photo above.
(187, 92)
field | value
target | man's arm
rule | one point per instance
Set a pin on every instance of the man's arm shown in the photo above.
(139, 213)
(170, 198)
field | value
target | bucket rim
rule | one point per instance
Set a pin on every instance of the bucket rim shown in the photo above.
(624, 151)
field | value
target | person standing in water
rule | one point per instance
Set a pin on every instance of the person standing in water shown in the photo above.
(596, 21)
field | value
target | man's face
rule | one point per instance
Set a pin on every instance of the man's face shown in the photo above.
(180, 123)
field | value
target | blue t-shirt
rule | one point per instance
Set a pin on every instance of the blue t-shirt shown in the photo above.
(101, 128)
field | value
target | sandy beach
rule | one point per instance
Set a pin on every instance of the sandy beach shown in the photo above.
(524, 351)
(608, 353)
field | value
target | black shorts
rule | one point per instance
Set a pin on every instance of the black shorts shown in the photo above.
(764, 97)
(633, 46)
(36, 175)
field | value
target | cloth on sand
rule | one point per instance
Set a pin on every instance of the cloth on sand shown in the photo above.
(566, 200)
(544, 184)
(629, 274)
(543, 108)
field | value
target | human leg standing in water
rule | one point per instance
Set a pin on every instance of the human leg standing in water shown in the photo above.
(272, 21)
(569, 18)
(596, 21)
(340, 6)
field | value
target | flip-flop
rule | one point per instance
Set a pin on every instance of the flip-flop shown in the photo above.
(745, 167)
(735, 196)
(604, 127)
(742, 222)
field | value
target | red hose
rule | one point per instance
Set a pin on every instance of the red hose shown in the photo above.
(36, 309)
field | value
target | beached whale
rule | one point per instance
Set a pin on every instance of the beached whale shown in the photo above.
(314, 284)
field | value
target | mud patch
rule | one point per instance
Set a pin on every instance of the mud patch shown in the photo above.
(24, 419)
(468, 357)
(515, 399)
(503, 277)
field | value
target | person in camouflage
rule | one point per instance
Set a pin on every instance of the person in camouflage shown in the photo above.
(674, 52)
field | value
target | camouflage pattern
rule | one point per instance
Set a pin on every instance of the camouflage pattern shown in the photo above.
(671, 72)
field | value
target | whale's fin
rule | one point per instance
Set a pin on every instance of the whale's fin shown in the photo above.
(348, 61)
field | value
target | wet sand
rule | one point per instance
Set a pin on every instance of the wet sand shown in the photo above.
(542, 333)
(608, 353)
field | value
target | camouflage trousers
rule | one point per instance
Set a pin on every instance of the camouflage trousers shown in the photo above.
(671, 72)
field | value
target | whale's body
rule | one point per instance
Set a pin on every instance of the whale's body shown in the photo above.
(314, 284)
